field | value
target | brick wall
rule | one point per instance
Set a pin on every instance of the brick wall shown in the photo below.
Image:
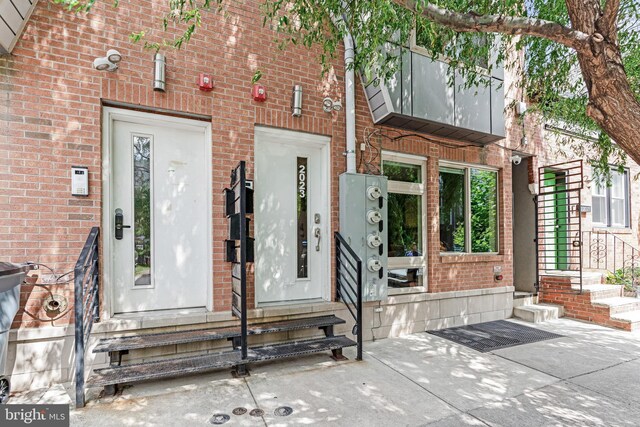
(50, 115)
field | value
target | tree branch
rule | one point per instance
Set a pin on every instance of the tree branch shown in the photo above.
(514, 25)
(607, 23)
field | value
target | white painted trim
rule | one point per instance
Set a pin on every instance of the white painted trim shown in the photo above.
(322, 142)
(110, 115)
(418, 189)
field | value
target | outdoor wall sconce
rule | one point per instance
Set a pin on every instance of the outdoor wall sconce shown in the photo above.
(296, 101)
(159, 71)
(109, 62)
(329, 105)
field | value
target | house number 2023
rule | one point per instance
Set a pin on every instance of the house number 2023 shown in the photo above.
(302, 181)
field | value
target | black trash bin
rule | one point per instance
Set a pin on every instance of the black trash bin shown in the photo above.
(11, 277)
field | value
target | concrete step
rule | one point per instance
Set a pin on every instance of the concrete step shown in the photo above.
(588, 277)
(597, 292)
(618, 305)
(524, 298)
(630, 319)
(538, 313)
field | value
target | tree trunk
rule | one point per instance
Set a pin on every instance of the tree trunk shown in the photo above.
(612, 103)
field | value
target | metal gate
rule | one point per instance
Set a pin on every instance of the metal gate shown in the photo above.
(558, 221)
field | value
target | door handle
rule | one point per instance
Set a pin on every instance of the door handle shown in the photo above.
(119, 224)
(317, 233)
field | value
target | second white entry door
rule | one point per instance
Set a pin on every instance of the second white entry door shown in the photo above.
(291, 216)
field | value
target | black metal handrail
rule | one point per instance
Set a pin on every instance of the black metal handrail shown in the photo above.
(606, 251)
(349, 284)
(87, 304)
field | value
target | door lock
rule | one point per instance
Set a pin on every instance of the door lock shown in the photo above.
(119, 224)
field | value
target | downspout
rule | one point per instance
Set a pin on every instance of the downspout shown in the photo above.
(350, 102)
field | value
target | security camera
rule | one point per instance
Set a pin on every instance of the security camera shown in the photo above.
(516, 159)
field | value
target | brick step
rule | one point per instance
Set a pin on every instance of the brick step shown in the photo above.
(538, 313)
(629, 320)
(116, 375)
(618, 305)
(143, 341)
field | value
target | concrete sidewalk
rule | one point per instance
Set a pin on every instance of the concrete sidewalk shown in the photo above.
(591, 376)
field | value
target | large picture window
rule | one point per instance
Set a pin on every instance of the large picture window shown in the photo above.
(610, 205)
(405, 232)
(468, 209)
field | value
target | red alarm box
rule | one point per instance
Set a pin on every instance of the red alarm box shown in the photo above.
(205, 82)
(259, 93)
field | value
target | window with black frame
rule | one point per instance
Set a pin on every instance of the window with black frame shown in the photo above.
(468, 209)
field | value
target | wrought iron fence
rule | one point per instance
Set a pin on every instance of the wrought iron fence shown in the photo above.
(87, 304)
(349, 284)
(604, 250)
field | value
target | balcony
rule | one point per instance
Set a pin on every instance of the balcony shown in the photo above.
(13, 17)
(420, 99)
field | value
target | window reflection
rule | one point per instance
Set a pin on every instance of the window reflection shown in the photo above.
(142, 209)
(452, 202)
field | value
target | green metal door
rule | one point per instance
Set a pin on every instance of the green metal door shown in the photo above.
(560, 210)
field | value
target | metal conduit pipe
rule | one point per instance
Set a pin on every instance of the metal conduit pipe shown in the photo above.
(350, 102)
(350, 96)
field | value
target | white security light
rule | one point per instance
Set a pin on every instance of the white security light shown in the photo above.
(103, 64)
(114, 56)
(327, 105)
(108, 62)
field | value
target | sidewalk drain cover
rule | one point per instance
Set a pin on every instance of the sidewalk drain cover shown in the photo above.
(256, 412)
(283, 411)
(489, 336)
(218, 419)
(239, 411)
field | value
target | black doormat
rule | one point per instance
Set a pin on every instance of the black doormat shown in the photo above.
(489, 336)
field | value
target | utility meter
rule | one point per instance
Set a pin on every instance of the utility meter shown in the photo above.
(374, 240)
(374, 192)
(374, 216)
(363, 223)
(374, 264)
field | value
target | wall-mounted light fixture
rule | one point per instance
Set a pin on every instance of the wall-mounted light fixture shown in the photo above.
(296, 101)
(329, 105)
(159, 70)
(109, 62)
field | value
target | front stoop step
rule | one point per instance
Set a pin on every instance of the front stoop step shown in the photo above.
(538, 313)
(198, 335)
(189, 365)
(629, 321)
(618, 304)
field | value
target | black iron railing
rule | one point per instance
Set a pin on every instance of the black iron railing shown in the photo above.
(87, 304)
(604, 250)
(349, 284)
(558, 219)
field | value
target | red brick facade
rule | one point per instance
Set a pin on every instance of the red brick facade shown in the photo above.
(50, 115)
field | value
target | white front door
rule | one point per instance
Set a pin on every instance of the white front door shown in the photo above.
(159, 185)
(291, 217)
